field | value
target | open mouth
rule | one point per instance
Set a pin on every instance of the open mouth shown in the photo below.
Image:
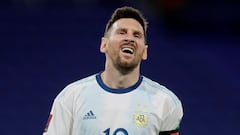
(127, 50)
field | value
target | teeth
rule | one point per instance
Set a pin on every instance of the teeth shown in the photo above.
(128, 50)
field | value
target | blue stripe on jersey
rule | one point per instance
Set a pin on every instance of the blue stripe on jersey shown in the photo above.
(118, 91)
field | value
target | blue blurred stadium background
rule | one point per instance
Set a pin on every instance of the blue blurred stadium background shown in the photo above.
(194, 50)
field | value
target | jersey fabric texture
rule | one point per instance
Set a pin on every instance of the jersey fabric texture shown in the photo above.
(89, 107)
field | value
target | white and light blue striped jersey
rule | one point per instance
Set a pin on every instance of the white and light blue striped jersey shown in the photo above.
(89, 107)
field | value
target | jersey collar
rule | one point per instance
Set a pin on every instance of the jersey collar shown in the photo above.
(118, 91)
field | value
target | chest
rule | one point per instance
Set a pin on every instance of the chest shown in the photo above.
(113, 113)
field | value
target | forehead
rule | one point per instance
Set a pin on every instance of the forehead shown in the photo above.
(127, 23)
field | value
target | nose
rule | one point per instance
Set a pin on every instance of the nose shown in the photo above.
(129, 38)
(129, 41)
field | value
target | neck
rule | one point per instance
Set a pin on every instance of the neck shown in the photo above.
(115, 79)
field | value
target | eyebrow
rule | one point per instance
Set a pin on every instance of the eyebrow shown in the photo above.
(134, 31)
(121, 29)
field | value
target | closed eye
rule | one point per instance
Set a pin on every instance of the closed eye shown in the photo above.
(138, 35)
(121, 31)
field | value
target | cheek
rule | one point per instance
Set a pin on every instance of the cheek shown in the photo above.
(112, 48)
(114, 40)
(113, 44)
(142, 52)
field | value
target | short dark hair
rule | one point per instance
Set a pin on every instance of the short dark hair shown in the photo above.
(127, 12)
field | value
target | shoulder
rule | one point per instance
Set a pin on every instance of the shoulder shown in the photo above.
(164, 101)
(160, 91)
(76, 87)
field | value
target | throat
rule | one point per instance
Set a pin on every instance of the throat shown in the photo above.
(124, 70)
(118, 81)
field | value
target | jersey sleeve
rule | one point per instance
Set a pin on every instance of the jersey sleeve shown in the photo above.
(59, 121)
(170, 125)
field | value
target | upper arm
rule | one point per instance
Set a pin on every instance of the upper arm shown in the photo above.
(171, 124)
(60, 120)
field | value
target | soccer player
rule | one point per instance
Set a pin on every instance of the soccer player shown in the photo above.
(118, 100)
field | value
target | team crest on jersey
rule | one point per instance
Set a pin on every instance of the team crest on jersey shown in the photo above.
(140, 117)
(140, 120)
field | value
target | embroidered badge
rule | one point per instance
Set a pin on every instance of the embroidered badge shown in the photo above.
(140, 120)
(140, 117)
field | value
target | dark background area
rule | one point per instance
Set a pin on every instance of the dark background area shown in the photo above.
(194, 50)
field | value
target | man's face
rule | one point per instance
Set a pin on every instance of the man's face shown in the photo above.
(124, 44)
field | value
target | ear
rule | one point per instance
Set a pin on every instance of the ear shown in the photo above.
(103, 45)
(144, 57)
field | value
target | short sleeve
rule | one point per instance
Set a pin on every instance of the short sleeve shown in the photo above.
(59, 121)
(173, 119)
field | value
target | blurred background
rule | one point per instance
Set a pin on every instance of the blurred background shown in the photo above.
(194, 50)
